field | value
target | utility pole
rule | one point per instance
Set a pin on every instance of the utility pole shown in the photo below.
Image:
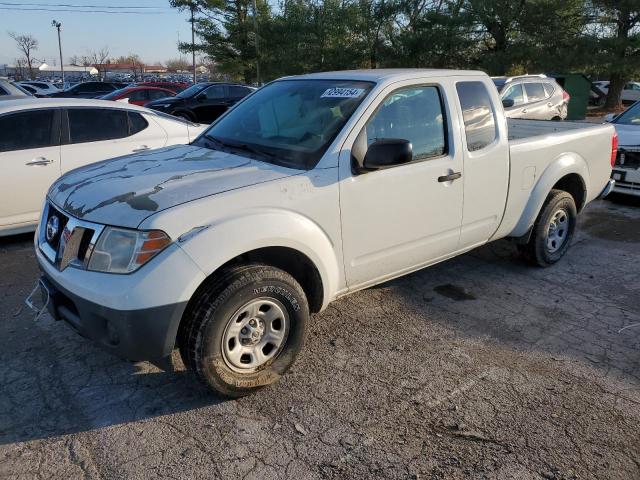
(255, 30)
(193, 42)
(57, 25)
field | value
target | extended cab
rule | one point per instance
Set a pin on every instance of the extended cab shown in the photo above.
(311, 188)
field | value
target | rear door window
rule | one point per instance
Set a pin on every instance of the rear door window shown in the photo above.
(94, 124)
(215, 92)
(535, 92)
(236, 91)
(478, 114)
(26, 130)
(138, 96)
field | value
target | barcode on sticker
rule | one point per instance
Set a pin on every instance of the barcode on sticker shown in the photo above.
(342, 92)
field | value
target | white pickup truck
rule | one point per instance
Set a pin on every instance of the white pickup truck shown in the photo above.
(311, 188)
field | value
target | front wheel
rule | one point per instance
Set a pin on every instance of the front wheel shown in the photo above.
(245, 329)
(552, 231)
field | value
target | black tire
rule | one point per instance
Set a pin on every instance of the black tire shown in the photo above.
(537, 251)
(210, 313)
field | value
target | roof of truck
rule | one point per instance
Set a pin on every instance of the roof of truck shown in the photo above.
(378, 75)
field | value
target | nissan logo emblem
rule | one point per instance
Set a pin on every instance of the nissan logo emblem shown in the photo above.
(53, 228)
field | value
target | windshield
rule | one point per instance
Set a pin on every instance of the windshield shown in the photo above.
(292, 122)
(631, 116)
(192, 90)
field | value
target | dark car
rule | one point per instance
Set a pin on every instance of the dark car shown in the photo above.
(202, 102)
(88, 90)
(176, 87)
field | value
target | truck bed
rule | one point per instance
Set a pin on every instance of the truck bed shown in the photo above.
(520, 129)
(535, 148)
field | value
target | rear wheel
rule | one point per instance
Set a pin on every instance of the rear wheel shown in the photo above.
(245, 329)
(552, 231)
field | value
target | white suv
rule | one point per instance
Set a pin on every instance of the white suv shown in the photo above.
(534, 97)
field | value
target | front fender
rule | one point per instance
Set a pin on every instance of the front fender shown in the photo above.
(215, 244)
(564, 164)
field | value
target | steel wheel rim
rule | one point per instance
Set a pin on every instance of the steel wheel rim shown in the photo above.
(558, 231)
(255, 335)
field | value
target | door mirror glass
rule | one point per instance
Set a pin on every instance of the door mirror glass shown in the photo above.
(388, 152)
(201, 97)
(508, 102)
(609, 117)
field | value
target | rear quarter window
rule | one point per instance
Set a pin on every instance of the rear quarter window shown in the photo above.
(478, 114)
(535, 92)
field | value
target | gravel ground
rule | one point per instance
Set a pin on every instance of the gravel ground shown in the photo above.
(480, 367)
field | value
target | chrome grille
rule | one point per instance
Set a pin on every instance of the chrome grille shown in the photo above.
(73, 246)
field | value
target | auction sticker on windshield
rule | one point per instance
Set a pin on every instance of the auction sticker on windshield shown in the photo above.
(337, 92)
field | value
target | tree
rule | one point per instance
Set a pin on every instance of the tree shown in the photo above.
(177, 65)
(99, 58)
(615, 30)
(27, 44)
(137, 65)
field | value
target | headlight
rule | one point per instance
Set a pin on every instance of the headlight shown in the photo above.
(120, 250)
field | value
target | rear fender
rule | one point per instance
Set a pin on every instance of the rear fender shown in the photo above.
(565, 164)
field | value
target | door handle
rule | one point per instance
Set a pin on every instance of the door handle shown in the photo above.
(449, 178)
(141, 148)
(39, 161)
(549, 104)
(524, 110)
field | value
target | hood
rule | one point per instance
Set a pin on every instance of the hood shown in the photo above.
(628, 135)
(124, 191)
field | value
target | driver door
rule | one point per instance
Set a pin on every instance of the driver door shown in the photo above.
(401, 218)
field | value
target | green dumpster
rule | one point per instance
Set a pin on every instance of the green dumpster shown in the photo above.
(578, 86)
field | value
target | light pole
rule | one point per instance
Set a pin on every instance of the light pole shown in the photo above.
(193, 42)
(255, 29)
(57, 25)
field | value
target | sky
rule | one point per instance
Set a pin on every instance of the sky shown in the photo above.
(153, 34)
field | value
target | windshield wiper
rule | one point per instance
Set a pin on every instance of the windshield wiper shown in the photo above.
(241, 146)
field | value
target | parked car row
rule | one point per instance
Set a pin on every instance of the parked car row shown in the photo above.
(202, 102)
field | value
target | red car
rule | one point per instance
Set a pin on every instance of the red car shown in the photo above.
(138, 95)
(175, 86)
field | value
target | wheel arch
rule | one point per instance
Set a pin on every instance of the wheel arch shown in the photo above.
(569, 172)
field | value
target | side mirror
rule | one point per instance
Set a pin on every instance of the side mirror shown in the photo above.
(609, 117)
(387, 152)
(201, 97)
(508, 102)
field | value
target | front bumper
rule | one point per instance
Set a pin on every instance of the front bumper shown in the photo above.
(135, 316)
(143, 334)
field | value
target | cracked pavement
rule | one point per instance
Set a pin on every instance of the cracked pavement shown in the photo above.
(479, 367)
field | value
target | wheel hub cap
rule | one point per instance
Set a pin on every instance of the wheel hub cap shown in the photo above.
(558, 231)
(255, 334)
